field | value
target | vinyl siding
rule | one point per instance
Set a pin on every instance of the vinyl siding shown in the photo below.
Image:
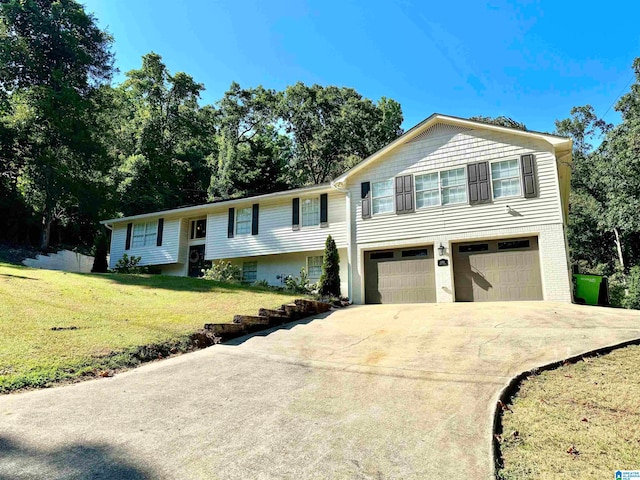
(449, 149)
(275, 233)
(151, 255)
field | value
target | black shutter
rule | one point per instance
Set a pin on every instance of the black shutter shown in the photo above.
(478, 180)
(365, 190)
(232, 218)
(254, 219)
(160, 230)
(404, 194)
(295, 214)
(324, 206)
(127, 243)
(529, 176)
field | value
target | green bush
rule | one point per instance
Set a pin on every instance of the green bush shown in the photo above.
(100, 249)
(222, 271)
(329, 284)
(129, 264)
(300, 284)
(632, 298)
(262, 284)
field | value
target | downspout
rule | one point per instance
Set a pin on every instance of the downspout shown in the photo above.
(338, 186)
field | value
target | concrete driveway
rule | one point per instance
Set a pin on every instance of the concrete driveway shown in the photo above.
(370, 392)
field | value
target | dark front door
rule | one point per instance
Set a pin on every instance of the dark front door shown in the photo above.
(196, 260)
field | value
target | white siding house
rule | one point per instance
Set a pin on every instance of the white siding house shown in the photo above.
(453, 210)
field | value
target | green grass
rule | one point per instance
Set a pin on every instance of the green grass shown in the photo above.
(114, 314)
(593, 405)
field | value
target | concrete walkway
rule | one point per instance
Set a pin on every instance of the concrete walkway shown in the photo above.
(374, 392)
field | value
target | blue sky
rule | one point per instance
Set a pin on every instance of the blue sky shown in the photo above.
(531, 61)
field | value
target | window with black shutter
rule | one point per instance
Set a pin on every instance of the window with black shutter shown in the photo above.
(160, 232)
(324, 210)
(478, 179)
(404, 194)
(254, 219)
(529, 176)
(295, 214)
(230, 225)
(365, 190)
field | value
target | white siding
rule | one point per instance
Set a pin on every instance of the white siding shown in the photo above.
(275, 234)
(270, 267)
(458, 149)
(151, 255)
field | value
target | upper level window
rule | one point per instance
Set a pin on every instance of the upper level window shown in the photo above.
(144, 234)
(454, 186)
(243, 221)
(198, 228)
(310, 212)
(427, 190)
(382, 196)
(314, 268)
(505, 178)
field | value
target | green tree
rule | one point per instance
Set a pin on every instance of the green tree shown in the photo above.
(329, 283)
(52, 59)
(333, 128)
(501, 121)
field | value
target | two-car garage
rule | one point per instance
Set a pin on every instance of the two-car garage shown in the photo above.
(491, 270)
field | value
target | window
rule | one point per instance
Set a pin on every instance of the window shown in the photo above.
(249, 272)
(478, 247)
(381, 255)
(382, 195)
(243, 221)
(144, 234)
(454, 186)
(427, 190)
(198, 228)
(513, 244)
(423, 252)
(314, 268)
(505, 178)
(310, 212)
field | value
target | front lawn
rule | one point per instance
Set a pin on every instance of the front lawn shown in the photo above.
(113, 315)
(580, 421)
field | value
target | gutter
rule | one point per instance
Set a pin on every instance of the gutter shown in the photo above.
(339, 187)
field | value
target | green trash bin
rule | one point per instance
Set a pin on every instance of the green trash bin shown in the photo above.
(591, 289)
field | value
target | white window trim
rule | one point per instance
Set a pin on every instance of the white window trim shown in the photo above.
(308, 271)
(193, 221)
(393, 199)
(440, 204)
(146, 234)
(302, 200)
(243, 266)
(248, 232)
(521, 195)
(415, 199)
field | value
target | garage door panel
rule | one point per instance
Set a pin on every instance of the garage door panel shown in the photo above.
(398, 279)
(491, 273)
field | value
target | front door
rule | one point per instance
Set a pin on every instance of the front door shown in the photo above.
(196, 260)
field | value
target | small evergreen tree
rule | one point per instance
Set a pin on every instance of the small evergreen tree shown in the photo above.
(101, 248)
(330, 278)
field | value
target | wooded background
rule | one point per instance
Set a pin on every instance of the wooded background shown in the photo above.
(75, 148)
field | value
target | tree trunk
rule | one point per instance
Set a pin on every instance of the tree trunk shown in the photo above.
(619, 248)
(47, 219)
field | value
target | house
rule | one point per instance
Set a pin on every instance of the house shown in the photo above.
(453, 210)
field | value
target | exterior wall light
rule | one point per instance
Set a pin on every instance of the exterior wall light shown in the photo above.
(441, 250)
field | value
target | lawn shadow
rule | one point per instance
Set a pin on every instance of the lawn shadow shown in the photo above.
(16, 276)
(285, 326)
(70, 462)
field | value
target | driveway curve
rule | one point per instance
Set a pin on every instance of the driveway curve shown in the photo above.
(368, 392)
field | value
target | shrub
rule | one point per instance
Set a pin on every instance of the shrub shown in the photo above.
(329, 284)
(222, 271)
(262, 284)
(299, 284)
(129, 264)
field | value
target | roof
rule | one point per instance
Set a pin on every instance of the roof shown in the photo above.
(196, 209)
(560, 143)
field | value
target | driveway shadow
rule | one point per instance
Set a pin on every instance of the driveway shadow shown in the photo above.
(94, 462)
